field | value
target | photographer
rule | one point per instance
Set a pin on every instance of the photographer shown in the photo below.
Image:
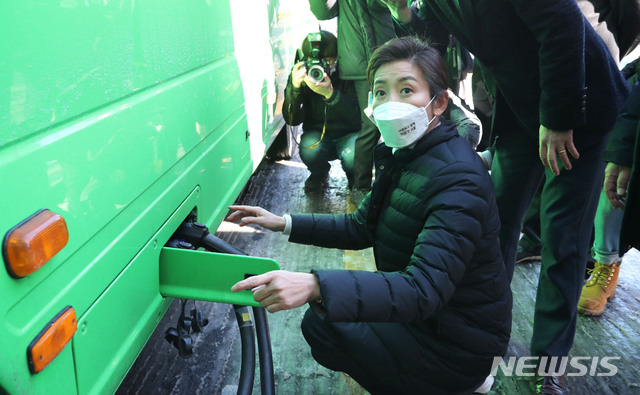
(327, 108)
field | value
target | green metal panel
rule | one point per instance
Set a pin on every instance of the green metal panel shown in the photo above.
(82, 165)
(208, 276)
(90, 270)
(116, 114)
(114, 158)
(128, 310)
(69, 57)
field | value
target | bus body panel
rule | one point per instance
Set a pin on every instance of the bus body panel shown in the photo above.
(123, 117)
(70, 57)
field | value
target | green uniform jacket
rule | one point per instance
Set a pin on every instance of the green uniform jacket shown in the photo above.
(363, 25)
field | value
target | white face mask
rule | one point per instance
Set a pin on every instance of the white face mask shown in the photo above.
(400, 124)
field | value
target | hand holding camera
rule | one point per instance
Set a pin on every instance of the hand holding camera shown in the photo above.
(298, 74)
(313, 71)
(321, 85)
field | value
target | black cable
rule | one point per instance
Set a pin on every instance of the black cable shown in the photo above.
(248, 367)
(267, 380)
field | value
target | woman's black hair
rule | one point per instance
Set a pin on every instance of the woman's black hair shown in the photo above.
(424, 56)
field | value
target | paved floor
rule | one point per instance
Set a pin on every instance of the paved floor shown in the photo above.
(214, 368)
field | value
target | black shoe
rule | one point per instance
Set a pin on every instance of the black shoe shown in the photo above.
(551, 385)
(486, 386)
(357, 195)
(527, 256)
(316, 183)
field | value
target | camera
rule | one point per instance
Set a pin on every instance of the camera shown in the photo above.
(316, 66)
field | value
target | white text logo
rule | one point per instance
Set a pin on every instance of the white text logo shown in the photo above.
(546, 366)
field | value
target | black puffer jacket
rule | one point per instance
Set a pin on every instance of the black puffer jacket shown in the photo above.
(432, 220)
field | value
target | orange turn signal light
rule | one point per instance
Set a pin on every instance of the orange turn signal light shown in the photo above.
(52, 339)
(34, 241)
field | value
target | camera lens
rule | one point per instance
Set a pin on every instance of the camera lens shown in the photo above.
(316, 74)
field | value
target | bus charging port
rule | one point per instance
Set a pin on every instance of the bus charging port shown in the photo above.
(188, 273)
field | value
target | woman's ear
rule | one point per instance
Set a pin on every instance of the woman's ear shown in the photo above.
(441, 103)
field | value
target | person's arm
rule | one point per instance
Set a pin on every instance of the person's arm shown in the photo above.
(559, 27)
(324, 9)
(466, 122)
(322, 88)
(422, 25)
(399, 9)
(247, 215)
(620, 148)
(342, 231)
(457, 205)
(295, 95)
(623, 134)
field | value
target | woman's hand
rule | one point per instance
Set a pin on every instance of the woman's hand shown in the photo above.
(281, 290)
(322, 88)
(556, 144)
(245, 215)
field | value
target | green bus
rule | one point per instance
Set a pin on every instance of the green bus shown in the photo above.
(117, 120)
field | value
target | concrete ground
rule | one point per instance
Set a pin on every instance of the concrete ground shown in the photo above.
(214, 368)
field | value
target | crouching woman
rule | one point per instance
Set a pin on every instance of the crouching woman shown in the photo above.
(437, 311)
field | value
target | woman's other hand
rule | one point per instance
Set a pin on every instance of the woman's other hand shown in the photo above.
(245, 215)
(281, 290)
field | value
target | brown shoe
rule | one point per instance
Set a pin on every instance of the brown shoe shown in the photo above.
(551, 385)
(600, 287)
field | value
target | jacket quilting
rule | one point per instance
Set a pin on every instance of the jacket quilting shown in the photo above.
(436, 248)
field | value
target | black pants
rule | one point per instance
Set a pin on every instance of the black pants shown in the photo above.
(367, 139)
(530, 240)
(568, 205)
(386, 358)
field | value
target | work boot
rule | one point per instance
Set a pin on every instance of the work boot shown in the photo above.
(599, 289)
(316, 183)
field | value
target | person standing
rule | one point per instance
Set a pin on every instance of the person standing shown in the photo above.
(363, 25)
(618, 25)
(558, 92)
(622, 175)
(613, 233)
